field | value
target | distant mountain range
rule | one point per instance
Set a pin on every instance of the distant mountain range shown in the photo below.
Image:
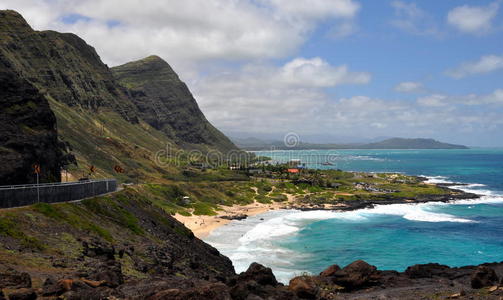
(255, 144)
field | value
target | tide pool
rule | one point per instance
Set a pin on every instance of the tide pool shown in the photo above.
(388, 236)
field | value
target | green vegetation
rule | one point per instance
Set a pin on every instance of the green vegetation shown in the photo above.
(10, 228)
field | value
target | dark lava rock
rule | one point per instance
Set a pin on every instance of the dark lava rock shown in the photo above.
(482, 277)
(28, 133)
(330, 271)
(260, 274)
(356, 275)
(426, 270)
(258, 282)
(14, 279)
(235, 217)
(52, 288)
(23, 294)
(212, 291)
(304, 287)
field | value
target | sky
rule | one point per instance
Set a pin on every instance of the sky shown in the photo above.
(326, 70)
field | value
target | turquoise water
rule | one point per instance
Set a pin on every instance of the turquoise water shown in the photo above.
(390, 237)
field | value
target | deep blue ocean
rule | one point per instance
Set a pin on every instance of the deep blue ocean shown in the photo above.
(389, 237)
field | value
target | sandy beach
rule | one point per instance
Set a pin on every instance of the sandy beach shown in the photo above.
(203, 225)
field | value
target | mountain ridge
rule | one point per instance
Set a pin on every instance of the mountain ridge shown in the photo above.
(255, 144)
(166, 103)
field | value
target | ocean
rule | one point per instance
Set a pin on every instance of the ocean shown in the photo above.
(394, 236)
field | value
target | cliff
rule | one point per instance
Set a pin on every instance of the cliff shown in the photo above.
(165, 102)
(28, 133)
(62, 66)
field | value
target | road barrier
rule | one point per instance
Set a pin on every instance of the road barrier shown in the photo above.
(21, 195)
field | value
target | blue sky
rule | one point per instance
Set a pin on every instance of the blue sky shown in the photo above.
(328, 70)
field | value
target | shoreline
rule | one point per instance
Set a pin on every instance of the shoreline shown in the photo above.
(203, 225)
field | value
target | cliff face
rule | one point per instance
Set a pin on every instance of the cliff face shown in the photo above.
(61, 66)
(28, 132)
(165, 102)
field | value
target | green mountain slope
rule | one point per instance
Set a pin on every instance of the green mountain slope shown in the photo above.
(61, 65)
(166, 103)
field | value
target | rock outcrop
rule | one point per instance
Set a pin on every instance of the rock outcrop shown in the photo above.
(28, 133)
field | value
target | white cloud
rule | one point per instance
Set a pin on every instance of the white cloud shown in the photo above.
(439, 100)
(316, 72)
(435, 100)
(412, 19)
(473, 19)
(409, 87)
(494, 98)
(188, 33)
(485, 64)
(343, 29)
(315, 9)
(265, 97)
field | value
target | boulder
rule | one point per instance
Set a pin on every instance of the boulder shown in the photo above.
(14, 279)
(260, 274)
(212, 291)
(304, 287)
(53, 288)
(483, 276)
(356, 275)
(23, 294)
(426, 270)
(330, 271)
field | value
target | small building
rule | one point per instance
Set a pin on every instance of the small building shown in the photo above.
(293, 171)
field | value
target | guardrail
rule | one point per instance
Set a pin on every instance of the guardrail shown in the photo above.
(21, 195)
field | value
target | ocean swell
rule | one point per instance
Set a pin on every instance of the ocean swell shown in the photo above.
(258, 238)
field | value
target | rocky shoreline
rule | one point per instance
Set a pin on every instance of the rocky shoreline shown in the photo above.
(351, 205)
(358, 280)
(171, 263)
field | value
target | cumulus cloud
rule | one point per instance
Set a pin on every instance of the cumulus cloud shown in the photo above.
(265, 97)
(485, 64)
(187, 32)
(473, 19)
(409, 87)
(315, 9)
(412, 19)
(435, 100)
(439, 100)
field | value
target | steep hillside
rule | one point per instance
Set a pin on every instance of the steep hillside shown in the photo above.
(28, 132)
(120, 245)
(62, 66)
(166, 103)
